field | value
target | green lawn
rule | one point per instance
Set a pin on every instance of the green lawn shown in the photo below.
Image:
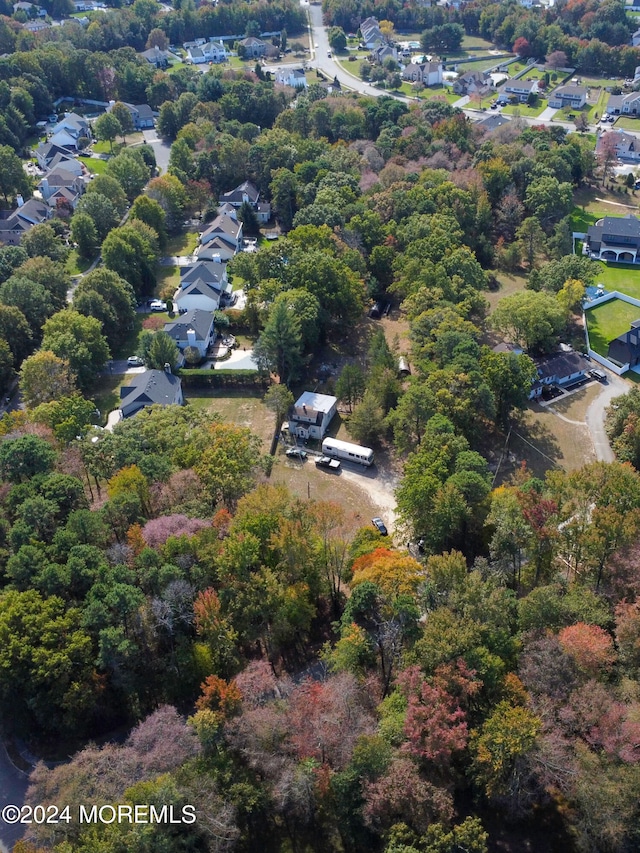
(597, 109)
(106, 395)
(622, 277)
(470, 43)
(483, 65)
(96, 167)
(75, 264)
(606, 322)
(168, 279)
(626, 123)
(524, 110)
(105, 147)
(182, 244)
(582, 220)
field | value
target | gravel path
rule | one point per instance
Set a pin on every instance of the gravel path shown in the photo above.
(596, 414)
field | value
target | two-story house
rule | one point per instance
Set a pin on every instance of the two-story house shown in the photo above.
(574, 97)
(523, 89)
(615, 238)
(427, 73)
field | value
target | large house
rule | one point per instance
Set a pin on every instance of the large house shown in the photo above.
(615, 238)
(311, 415)
(252, 48)
(628, 104)
(427, 73)
(560, 368)
(222, 239)
(568, 96)
(141, 115)
(204, 285)
(625, 349)
(522, 88)
(472, 82)
(383, 52)
(627, 145)
(156, 57)
(67, 132)
(14, 224)
(150, 388)
(371, 34)
(205, 51)
(294, 77)
(250, 193)
(46, 152)
(192, 329)
(58, 184)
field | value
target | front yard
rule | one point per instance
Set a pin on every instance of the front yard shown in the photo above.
(606, 322)
(525, 110)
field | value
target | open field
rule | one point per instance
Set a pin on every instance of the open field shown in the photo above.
(606, 322)
(242, 407)
(524, 110)
(75, 264)
(471, 43)
(182, 244)
(509, 283)
(626, 123)
(95, 166)
(168, 279)
(483, 65)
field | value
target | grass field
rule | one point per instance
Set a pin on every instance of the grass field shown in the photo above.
(622, 277)
(626, 123)
(483, 65)
(509, 283)
(471, 43)
(242, 407)
(75, 264)
(182, 244)
(96, 167)
(168, 279)
(524, 110)
(606, 322)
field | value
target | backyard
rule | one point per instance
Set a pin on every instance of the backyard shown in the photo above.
(607, 321)
(622, 277)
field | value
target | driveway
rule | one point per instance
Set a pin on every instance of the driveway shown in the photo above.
(547, 114)
(596, 414)
(13, 788)
(161, 149)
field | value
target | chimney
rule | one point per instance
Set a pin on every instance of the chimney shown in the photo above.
(167, 367)
(19, 200)
(191, 337)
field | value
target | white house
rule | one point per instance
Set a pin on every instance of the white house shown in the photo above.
(568, 96)
(206, 51)
(293, 77)
(248, 192)
(153, 387)
(562, 368)
(628, 104)
(311, 415)
(635, 39)
(627, 145)
(223, 238)
(67, 132)
(204, 285)
(192, 329)
(371, 34)
(427, 73)
(522, 88)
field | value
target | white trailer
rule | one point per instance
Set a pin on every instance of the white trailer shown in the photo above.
(347, 451)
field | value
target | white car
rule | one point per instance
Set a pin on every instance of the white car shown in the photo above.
(157, 305)
(135, 361)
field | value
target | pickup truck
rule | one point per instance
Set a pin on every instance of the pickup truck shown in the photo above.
(326, 462)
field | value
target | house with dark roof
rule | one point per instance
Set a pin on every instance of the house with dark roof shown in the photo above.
(560, 368)
(628, 104)
(627, 145)
(204, 285)
(472, 82)
(14, 224)
(150, 388)
(192, 329)
(625, 349)
(59, 179)
(156, 57)
(493, 122)
(522, 88)
(615, 238)
(568, 96)
(250, 193)
(252, 48)
(383, 52)
(46, 151)
(141, 114)
(222, 239)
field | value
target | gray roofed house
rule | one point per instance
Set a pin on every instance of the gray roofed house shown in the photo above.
(522, 88)
(253, 47)
(156, 57)
(472, 81)
(192, 329)
(245, 192)
(427, 73)
(615, 238)
(141, 114)
(222, 238)
(203, 285)
(628, 104)
(46, 151)
(625, 349)
(568, 96)
(493, 122)
(153, 387)
(560, 368)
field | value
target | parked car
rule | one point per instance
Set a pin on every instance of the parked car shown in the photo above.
(329, 54)
(296, 453)
(326, 462)
(157, 305)
(135, 361)
(600, 375)
(380, 526)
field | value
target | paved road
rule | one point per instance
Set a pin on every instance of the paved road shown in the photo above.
(596, 413)
(13, 788)
(161, 149)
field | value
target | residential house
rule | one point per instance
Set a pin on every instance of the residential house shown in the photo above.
(211, 51)
(574, 97)
(156, 57)
(311, 415)
(427, 73)
(628, 104)
(472, 82)
(250, 193)
(615, 238)
(36, 26)
(47, 151)
(625, 349)
(636, 75)
(493, 122)
(63, 185)
(203, 285)
(635, 39)
(383, 52)
(253, 48)
(627, 145)
(560, 368)
(14, 224)
(69, 130)
(522, 88)
(31, 9)
(294, 77)
(371, 34)
(141, 114)
(192, 329)
(223, 237)
(150, 388)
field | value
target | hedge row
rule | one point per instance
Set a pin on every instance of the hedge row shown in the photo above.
(203, 378)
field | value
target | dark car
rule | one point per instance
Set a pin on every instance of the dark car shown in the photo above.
(296, 453)
(380, 526)
(327, 462)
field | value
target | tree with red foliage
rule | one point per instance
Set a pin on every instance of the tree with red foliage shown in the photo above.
(521, 47)
(590, 647)
(540, 514)
(220, 696)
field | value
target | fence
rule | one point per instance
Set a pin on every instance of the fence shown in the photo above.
(601, 359)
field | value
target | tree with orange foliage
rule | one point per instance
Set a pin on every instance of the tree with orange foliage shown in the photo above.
(220, 696)
(590, 647)
(395, 574)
